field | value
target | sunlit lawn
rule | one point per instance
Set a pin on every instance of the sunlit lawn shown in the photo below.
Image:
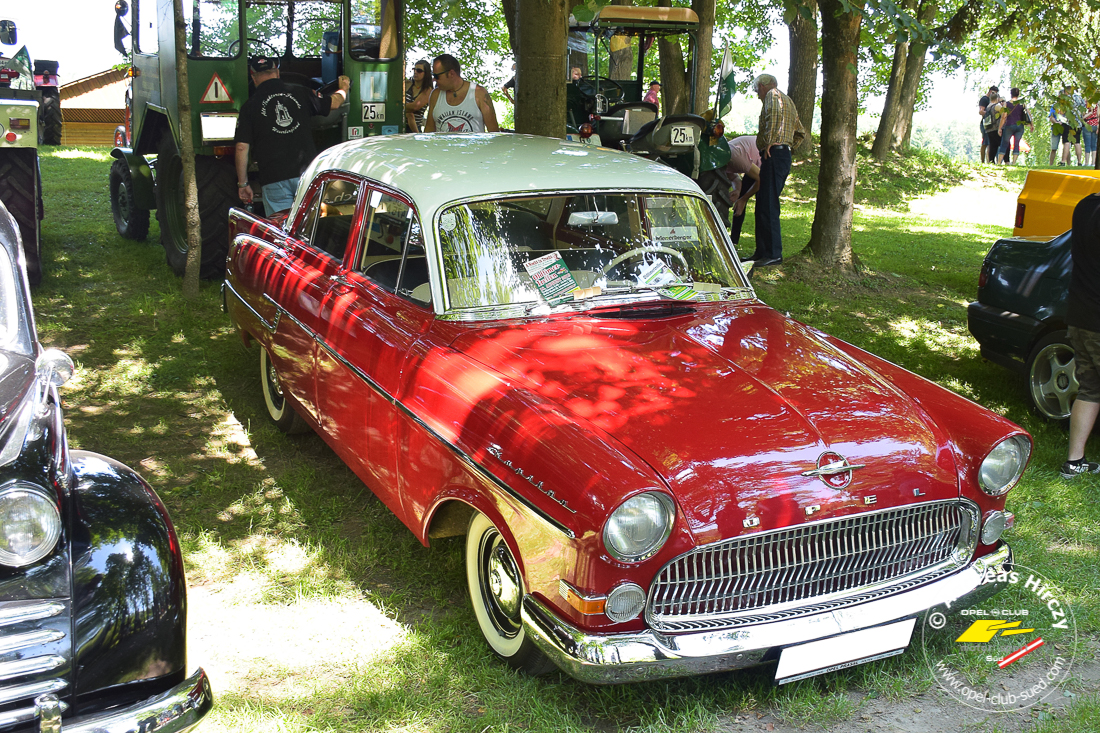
(315, 609)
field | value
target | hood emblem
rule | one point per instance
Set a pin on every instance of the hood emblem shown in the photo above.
(834, 470)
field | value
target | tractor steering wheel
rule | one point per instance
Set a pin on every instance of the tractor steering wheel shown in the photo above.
(236, 45)
(593, 85)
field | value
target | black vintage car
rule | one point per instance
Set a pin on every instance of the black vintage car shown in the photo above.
(92, 592)
(1019, 318)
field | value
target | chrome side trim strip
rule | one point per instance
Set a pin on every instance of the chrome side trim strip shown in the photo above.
(467, 459)
(31, 638)
(11, 694)
(270, 327)
(23, 715)
(31, 611)
(34, 665)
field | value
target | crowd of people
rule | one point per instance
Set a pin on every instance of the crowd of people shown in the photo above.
(1073, 127)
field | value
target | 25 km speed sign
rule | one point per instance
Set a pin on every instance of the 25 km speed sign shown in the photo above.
(374, 112)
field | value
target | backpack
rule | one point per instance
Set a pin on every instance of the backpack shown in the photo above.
(989, 122)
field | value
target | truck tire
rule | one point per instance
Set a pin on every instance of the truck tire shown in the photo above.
(49, 120)
(217, 184)
(131, 222)
(20, 190)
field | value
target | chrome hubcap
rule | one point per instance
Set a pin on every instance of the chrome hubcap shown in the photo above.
(503, 583)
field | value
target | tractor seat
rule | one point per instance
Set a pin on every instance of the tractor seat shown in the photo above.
(623, 121)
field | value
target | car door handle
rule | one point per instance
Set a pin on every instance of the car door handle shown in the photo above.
(339, 281)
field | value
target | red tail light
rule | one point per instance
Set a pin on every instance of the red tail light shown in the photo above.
(1020, 215)
(983, 277)
(586, 131)
(719, 129)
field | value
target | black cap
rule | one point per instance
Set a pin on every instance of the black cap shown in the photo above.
(259, 64)
(655, 83)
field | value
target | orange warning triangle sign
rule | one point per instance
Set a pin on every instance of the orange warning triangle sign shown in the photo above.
(216, 91)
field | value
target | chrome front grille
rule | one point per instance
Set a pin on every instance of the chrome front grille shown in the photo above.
(811, 567)
(34, 656)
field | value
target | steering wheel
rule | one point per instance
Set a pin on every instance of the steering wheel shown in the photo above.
(236, 45)
(641, 251)
(595, 83)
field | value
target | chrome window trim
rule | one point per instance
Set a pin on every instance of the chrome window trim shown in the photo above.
(269, 326)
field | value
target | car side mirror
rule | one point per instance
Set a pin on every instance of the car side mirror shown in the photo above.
(9, 36)
(53, 368)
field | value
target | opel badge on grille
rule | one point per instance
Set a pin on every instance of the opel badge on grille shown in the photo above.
(834, 470)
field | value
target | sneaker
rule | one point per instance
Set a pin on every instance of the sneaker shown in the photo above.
(1070, 469)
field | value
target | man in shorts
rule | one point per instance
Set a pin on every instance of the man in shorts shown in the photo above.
(1083, 319)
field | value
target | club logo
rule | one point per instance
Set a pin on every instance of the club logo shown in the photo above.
(1007, 652)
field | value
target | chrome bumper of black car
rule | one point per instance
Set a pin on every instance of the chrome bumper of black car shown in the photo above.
(645, 655)
(175, 711)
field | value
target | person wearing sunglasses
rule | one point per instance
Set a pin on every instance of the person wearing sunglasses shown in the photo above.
(458, 105)
(417, 95)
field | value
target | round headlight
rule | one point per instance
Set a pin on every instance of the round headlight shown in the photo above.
(1004, 465)
(29, 525)
(639, 527)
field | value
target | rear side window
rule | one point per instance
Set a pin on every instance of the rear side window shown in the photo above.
(328, 221)
(271, 23)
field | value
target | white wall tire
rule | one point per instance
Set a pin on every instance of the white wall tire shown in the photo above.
(278, 406)
(496, 592)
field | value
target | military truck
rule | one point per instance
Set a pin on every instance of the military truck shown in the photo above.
(315, 41)
(20, 181)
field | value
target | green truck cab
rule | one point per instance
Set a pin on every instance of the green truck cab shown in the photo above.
(315, 41)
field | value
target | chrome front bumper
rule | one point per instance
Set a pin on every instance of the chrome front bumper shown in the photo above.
(646, 655)
(175, 711)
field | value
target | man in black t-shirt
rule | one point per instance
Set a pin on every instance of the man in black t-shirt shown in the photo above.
(1083, 319)
(274, 127)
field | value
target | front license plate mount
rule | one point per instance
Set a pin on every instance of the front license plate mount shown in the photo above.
(801, 661)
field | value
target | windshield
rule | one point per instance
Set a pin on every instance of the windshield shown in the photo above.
(273, 23)
(558, 250)
(10, 323)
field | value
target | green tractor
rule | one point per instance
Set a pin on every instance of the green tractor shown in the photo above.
(606, 105)
(316, 41)
(20, 182)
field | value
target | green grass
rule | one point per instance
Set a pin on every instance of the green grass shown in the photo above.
(275, 527)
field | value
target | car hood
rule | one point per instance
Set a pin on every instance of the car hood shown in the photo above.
(731, 405)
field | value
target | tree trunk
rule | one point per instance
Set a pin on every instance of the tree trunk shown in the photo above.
(674, 79)
(541, 27)
(914, 66)
(802, 77)
(187, 157)
(701, 63)
(891, 109)
(831, 235)
(508, 7)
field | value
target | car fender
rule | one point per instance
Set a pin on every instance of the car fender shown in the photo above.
(129, 591)
(144, 189)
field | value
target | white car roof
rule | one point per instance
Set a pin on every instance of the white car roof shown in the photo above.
(435, 169)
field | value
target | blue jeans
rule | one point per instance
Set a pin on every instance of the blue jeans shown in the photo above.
(1010, 137)
(1090, 139)
(773, 176)
(278, 196)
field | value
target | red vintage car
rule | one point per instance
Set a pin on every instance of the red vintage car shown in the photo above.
(551, 349)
